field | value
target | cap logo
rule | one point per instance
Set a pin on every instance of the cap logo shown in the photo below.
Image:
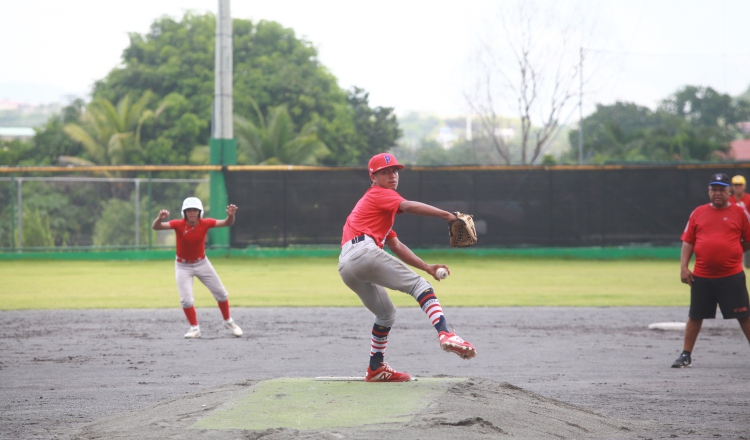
(718, 177)
(387, 159)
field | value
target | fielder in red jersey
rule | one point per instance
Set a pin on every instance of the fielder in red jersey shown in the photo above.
(367, 269)
(742, 199)
(191, 261)
(717, 233)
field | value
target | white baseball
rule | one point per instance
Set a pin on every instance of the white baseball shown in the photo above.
(442, 273)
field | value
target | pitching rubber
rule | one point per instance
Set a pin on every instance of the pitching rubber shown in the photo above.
(348, 379)
(341, 378)
(667, 326)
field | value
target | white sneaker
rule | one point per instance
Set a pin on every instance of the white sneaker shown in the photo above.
(236, 330)
(194, 332)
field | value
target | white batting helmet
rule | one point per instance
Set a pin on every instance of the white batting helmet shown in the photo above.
(192, 202)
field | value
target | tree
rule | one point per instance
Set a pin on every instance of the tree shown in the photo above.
(274, 140)
(15, 152)
(614, 132)
(377, 128)
(703, 106)
(110, 135)
(537, 68)
(692, 124)
(272, 67)
(50, 141)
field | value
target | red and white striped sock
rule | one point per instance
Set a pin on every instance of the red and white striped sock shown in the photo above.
(377, 345)
(431, 307)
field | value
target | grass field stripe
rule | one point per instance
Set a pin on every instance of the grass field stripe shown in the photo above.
(314, 282)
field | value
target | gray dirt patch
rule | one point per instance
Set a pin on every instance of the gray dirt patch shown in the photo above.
(579, 370)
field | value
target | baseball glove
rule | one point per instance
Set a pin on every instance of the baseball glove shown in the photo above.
(461, 230)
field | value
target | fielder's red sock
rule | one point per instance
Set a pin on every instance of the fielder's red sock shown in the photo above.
(190, 315)
(224, 307)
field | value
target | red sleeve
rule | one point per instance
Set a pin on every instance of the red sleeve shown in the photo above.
(210, 222)
(174, 224)
(745, 226)
(391, 234)
(746, 201)
(688, 235)
(390, 200)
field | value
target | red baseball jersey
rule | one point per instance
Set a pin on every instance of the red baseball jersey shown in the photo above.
(374, 215)
(745, 202)
(716, 235)
(191, 241)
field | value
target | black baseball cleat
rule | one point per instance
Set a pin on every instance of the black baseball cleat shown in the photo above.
(682, 361)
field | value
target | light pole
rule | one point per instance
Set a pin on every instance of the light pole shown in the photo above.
(223, 146)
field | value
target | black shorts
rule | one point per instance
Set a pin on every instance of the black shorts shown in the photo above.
(730, 293)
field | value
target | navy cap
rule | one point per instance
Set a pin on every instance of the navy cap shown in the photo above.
(720, 179)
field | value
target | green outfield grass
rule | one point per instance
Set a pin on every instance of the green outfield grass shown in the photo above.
(314, 282)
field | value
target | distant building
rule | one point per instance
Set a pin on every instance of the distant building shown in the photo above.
(16, 133)
(740, 149)
(445, 136)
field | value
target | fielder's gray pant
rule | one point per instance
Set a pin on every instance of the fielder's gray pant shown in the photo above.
(204, 271)
(367, 269)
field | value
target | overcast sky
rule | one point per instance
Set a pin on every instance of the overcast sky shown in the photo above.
(414, 55)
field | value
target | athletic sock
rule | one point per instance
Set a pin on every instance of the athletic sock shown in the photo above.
(431, 306)
(190, 315)
(377, 345)
(442, 325)
(224, 307)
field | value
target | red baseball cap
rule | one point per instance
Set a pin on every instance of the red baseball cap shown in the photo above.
(383, 160)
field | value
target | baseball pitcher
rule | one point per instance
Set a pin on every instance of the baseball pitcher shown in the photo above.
(367, 269)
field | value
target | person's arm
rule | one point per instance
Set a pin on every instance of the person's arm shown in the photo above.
(407, 256)
(419, 208)
(229, 221)
(685, 255)
(745, 231)
(158, 225)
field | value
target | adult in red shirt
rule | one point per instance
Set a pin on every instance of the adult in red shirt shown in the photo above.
(367, 269)
(717, 233)
(742, 199)
(190, 232)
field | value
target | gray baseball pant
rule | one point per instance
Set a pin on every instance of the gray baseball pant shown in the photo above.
(204, 271)
(368, 270)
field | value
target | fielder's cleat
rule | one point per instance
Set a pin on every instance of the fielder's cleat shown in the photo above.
(193, 333)
(452, 343)
(682, 361)
(385, 373)
(236, 330)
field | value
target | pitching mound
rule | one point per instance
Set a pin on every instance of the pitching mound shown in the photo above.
(436, 408)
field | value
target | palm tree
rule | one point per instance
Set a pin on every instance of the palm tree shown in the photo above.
(110, 134)
(274, 141)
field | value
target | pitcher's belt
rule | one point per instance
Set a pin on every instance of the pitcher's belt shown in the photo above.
(184, 261)
(356, 240)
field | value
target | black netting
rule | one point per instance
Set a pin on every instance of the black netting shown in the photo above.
(535, 207)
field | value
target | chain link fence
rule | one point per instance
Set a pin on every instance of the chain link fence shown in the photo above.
(67, 213)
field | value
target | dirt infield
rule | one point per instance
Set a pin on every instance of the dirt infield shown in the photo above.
(540, 372)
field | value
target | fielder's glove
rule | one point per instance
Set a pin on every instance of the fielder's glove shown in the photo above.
(461, 230)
